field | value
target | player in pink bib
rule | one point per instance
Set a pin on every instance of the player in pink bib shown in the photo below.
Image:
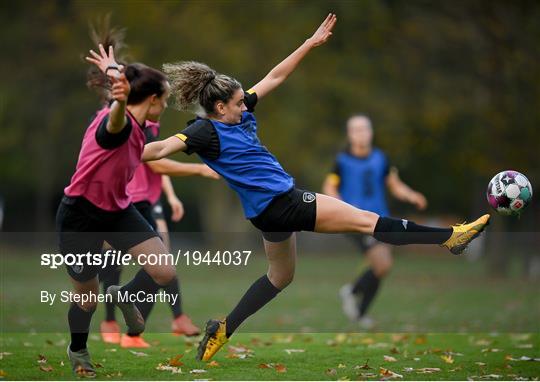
(97, 206)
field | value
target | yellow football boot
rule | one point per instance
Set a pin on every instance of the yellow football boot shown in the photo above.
(464, 233)
(214, 338)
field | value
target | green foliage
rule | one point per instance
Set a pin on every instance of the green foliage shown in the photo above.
(452, 87)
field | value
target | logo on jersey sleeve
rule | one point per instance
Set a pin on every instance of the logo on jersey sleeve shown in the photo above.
(308, 197)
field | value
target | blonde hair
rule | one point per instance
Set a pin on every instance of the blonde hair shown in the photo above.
(195, 84)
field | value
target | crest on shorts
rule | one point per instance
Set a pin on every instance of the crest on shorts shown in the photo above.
(308, 197)
(77, 268)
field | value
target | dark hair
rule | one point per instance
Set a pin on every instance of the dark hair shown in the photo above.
(194, 83)
(144, 81)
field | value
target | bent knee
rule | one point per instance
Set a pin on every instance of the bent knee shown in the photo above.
(281, 279)
(163, 275)
(383, 267)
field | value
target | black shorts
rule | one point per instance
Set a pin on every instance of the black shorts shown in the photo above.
(363, 242)
(295, 210)
(83, 227)
(145, 209)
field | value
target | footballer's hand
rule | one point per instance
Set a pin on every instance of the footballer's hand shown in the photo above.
(418, 200)
(105, 62)
(120, 88)
(177, 209)
(323, 33)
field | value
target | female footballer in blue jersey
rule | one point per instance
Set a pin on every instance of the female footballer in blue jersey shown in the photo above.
(225, 137)
(360, 177)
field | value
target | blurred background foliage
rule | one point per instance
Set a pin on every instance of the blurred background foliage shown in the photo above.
(453, 89)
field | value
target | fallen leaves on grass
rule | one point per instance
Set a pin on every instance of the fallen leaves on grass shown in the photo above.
(3, 354)
(197, 371)
(368, 375)
(116, 375)
(388, 358)
(394, 350)
(341, 366)
(522, 358)
(41, 359)
(400, 337)
(484, 377)
(290, 351)
(420, 340)
(278, 367)
(240, 352)
(447, 359)
(172, 369)
(524, 346)
(3, 374)
(490, 350)
(213, 364)
(428, 370)
(98, 365)
(481, 364)
(364, 366)
(389, 374)
(111, 350)
(175, 361)
(331, 372)
(138, 353)
(46, 368)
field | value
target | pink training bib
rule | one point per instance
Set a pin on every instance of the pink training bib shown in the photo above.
(102, 175)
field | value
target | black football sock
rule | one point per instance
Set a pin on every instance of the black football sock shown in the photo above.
(111, 278)
(257, 296)
(79, 325)
(401, 231)
(141, 282)
(173, 289)
(367, 285)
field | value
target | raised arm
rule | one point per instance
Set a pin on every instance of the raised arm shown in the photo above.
(120, 87)
(277, 75)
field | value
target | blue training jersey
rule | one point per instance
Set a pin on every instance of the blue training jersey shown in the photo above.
(362, 180)
(235, 152)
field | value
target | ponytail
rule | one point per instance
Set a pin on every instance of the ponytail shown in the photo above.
(196, 84)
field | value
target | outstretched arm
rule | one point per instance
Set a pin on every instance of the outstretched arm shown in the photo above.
(161, 149)
(287, 66)
(171, 167)
(403, 192)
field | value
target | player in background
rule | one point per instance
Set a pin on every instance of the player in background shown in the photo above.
(225, 137)
(361, 175)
